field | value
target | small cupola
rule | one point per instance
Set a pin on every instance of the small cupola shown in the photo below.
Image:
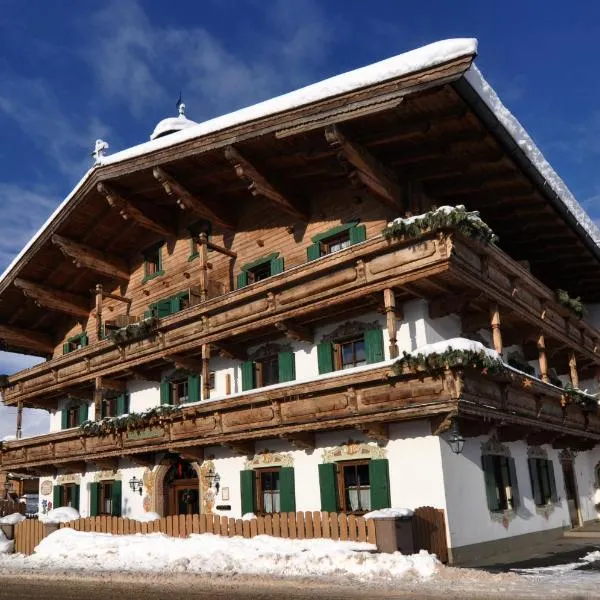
(172, 124)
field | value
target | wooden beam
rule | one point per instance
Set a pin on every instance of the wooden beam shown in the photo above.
(78, 466)
(228, 350)
(295, 331)
(52, 299)
(92, 259)
(26, 339)
(103, 383)
(143, 460)
(260, 186)
(195, 453)
(302, 440)
(447, 305)
(106, 464)
(184, 362)
(240, 448)
(129, 212)
(375, 431)
(188, 201)
(365, 168)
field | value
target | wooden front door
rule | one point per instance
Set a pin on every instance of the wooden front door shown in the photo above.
(184, 497)
(571, 492)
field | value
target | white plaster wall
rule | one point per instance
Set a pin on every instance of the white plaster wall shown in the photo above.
(469, 520)
(56, 418)
(589, 495)
(443, 329)
(143, 395)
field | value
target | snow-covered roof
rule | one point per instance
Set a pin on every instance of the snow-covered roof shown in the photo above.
(172, 124)
(409, 62)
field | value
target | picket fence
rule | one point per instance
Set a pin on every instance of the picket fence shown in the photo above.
(8, 507)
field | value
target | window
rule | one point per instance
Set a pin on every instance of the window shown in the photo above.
(75, 342)
(179, 389)
(169, 306)
(267, 369)
(66, 495)
(355, 486)
(336, 239)
(543, 485)
(114, 406)
(105, 491)
(153, 262)
(260, 269)
(268, 490)
(74, 415)
(211, 380)
(500, 482)
(105, 498)
(338, 352)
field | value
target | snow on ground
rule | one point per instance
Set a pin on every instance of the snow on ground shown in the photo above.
(62, 514)
(149, 516)
(389, 512)
(12, 519)
(6, 545)
(67, 549)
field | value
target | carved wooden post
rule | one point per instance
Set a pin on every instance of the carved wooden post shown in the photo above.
(495, 325)
(389, 300)
(99, 310)
(203, 255)
(573, 370)
(98, 398)
(227, 384)
(205, 371)
(541, 344)
(19, 418)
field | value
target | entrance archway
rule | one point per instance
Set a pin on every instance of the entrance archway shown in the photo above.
(181, 489)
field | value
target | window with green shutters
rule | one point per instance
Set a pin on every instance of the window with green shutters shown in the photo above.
(114, 406)
(260, 269)
(268, 490)
(328, 487)
(106, 498)
(349, 352)
(75, 343)
(543, 483)
(153, 266)
(73, 415)
(336, 239)
(500, 482)
(168, 306)
(278, 367)
(248, 491)
(180, 390)
(66, 495)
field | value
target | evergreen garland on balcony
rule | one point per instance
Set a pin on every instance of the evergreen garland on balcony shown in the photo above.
(132, 332)
(112, 425)
(435, 362)
(469, 223)
(575, 305)
(583, 399)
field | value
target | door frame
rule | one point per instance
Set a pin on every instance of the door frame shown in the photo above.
(567, 463)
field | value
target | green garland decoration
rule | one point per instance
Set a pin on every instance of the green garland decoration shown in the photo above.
(133, 332)
(575, 305)
(583, 399)
(450, 358)
(111, 425)
(469, 223)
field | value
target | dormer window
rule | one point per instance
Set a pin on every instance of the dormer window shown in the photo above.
(153, 262)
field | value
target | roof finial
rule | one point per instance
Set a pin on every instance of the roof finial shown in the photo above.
(180, 106)
(99, 150)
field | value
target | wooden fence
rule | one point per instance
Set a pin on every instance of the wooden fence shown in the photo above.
(299, 525)
(429, 531)
(8, 507)
(28, 534)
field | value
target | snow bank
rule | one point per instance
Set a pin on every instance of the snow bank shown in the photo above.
(149, 516)
(6, 546)
(62, 514)
(383, 513)
(248, 516)
(67, 549)
(12, 519)
(455, 344)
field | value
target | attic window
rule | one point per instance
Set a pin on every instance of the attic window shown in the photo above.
(153, 262)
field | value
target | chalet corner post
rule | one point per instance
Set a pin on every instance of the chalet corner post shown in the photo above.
(495, 325)
(203, 256)
(573, 373)
(98, 398)
(543, 358)
(389, 299)
(99, 298)
(205, 371)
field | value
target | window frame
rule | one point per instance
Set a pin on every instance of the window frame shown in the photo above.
(338, 352)
(260, 504)
(541, 472)
(65, 490)
(110, 403)
(73, 416)
(103, 496)
(175, 397)
(342, 238)
(156, 262)
(75, 342)
(503, 483)
(271, 360)
(341, 486)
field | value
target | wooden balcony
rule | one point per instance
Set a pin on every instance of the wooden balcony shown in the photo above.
(456, 274)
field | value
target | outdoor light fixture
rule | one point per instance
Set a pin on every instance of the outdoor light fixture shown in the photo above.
(213, 478)
(455, 439)
(136, 485)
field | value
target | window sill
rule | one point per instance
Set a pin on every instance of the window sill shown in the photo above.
(152, 276)
(503, 517)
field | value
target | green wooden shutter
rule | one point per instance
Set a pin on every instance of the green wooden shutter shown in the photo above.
(553, 492)
(514, 486)
(193, 388)
(277, 266)
(116, 498)
(374, 346)
(75, 497)
(328, 487)
(491, 492)
(544, 468)
(84, 339)
(536, 490)
(123, 404)
(325, 357)
(163, 308)
(165, 392)
(64, 418)
(148, 314)
(248, 380)
(175, 304)
(287, 366)
(313, 251)
(94, 493)
(242, 279)
(248, 491)
(379, 480)
(56, 496)
(83, 413)
(66, 348)
(358, 233)
(287, 489)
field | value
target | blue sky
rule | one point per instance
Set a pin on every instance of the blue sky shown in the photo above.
(71, 72)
